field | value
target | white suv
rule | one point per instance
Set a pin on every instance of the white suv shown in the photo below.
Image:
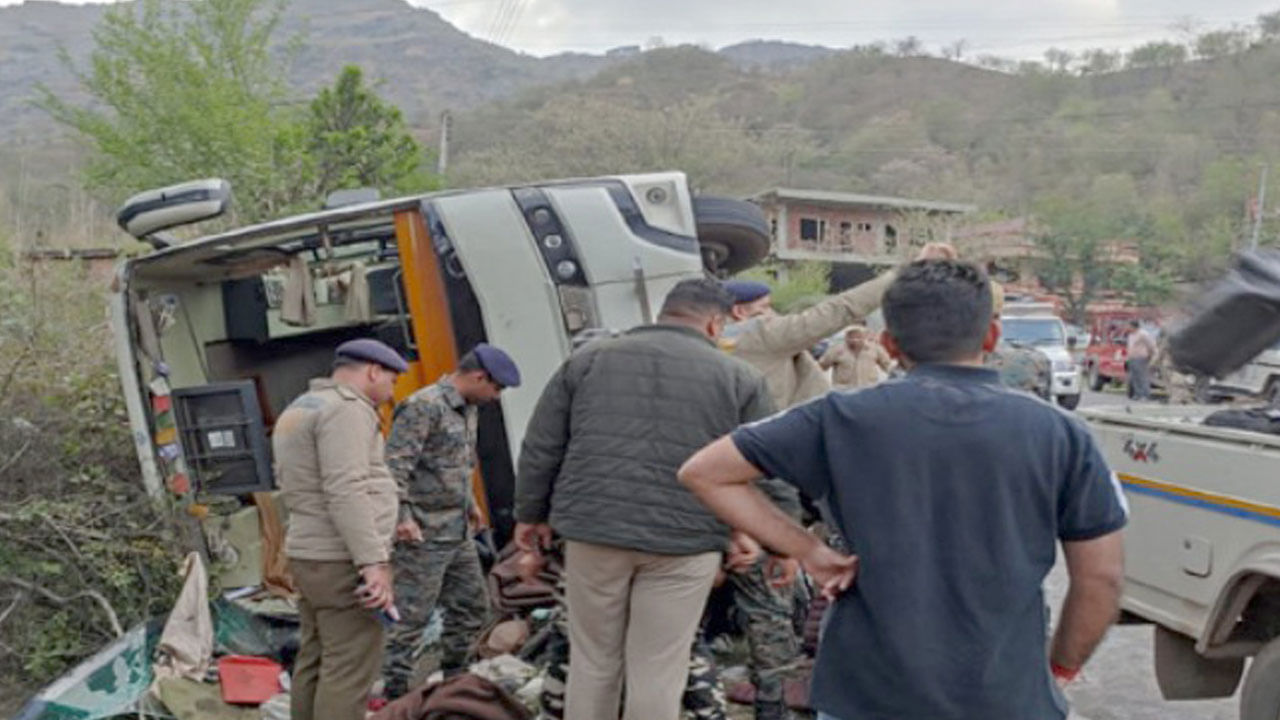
(1048, 334)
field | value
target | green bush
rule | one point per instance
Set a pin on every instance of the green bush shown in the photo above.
(78, 535)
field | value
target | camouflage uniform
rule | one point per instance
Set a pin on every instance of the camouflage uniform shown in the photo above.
(703, 698)
(766, 615)
(1022, 368)
(431, 453)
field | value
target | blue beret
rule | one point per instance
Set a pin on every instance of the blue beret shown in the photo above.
(745, 291)
(498, 364)
(372, 351)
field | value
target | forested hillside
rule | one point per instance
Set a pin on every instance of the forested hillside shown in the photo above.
(1166, 154)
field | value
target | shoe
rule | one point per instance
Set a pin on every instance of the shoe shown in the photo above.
(773, 711)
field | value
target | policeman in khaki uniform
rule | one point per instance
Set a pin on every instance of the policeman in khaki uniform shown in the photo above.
(431, 453)
(857, 362)
(342, 514)
(778, 346)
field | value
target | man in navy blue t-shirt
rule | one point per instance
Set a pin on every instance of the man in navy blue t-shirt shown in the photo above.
(953, 491)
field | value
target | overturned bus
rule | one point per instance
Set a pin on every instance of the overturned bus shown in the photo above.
(215, 336)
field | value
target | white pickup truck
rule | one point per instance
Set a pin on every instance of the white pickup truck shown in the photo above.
(1202, 550)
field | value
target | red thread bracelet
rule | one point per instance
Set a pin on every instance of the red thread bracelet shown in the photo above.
(1066, 675)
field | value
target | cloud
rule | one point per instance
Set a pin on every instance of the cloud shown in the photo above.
(1006, 27)
(1010, 28)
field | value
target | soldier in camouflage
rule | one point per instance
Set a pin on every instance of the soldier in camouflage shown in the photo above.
(1022, 368)
(431, 454)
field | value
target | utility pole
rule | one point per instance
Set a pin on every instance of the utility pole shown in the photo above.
(446, 120)
(1258, 211)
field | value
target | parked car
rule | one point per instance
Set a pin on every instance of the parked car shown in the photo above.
(1034, 326)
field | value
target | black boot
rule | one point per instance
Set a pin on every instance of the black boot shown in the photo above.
(772, 710)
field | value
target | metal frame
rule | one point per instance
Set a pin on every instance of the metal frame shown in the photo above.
(250, 426)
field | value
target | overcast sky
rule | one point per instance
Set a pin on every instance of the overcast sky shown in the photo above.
(1012, 28)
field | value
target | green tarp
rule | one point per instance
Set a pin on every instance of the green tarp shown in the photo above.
(114, 681)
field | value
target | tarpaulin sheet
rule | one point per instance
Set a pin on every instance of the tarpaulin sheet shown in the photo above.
(110, 683)
(114, 681)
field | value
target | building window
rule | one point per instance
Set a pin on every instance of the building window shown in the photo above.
(864, 227)
(812, 230)
(890, 239)
(773, 228)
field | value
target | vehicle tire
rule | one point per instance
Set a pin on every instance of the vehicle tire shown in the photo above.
(1184, 674)
(1260, 698)
(734, 234)
(1096, 381)
(1069, 402)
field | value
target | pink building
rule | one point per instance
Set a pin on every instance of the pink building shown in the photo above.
(847, 227)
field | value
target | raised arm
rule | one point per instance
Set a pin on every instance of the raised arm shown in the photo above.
(797, 332)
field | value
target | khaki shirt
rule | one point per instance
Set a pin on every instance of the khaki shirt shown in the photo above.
(778, 346)
(332, 477)
(432, 453)
(856, 369)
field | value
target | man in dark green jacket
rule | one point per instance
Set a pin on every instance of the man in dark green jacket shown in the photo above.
(598, 466)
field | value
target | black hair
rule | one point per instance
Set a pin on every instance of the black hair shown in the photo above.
(697, 298)
(939, 310)
(470, 363)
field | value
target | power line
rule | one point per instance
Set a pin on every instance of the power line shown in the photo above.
(521, 6)
(499, 18)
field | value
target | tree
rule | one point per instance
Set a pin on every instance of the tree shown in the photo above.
(1269, 26)
(997, 63)
(1030, 67)
(355, 139)
(955, 51)
(1099, 61)
(186, 90)
(1080, 236)
(793, 286)
(1222, 43)
(909, 46)
(1059, 60)
(1157, 54)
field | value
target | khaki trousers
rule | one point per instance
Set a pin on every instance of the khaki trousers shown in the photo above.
(340, 648)
(632, 616)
